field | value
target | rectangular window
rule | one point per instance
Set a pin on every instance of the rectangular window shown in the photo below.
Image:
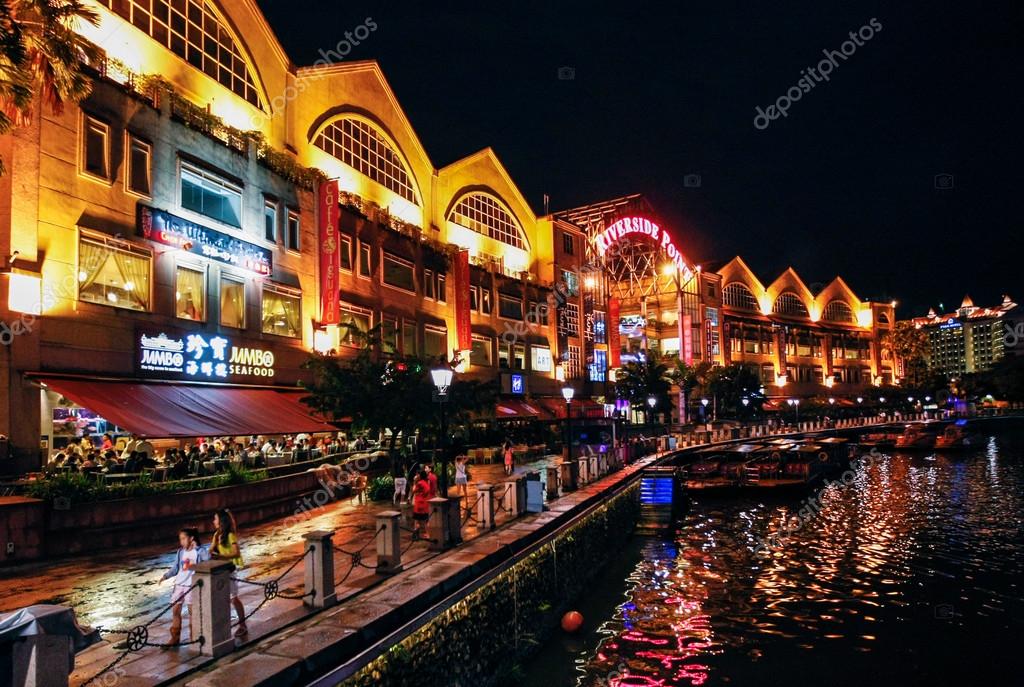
(504, 355)
(539, 313)
(575, 367)
(428, 284)
(294, 229)
(767, 374)
(115, 274)
(572, 283)
(519, 357)
(232, 303)
(480, 353)
(270, 221)
(208, 194)
(398, 272)
(138, 173)
(474, 298)
(409, 338)
(354, 326)
(568, 243)
(601, 328)
(442, 287)
(486, 305)
(389, 334)
(365, 268)
(510, 308)
(569, 322)
(282, 312)
(435, 342)
(346, 253)
(190, 293)
(95, 147)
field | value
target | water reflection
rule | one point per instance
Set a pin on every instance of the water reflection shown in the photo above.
(906, 576)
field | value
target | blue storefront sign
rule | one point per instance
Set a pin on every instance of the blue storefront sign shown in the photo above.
(178, 232)
(201, 356)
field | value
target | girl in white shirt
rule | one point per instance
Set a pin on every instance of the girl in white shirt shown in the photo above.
(183, 572)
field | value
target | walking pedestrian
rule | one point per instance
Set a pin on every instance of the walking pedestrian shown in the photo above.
(509, 459)
(225, 547)
(420, 504)
(190, 552)
(431, 481)
(401, 484)
(462, 476)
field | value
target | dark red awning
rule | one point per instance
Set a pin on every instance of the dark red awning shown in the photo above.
(186, 410)
(514, 409)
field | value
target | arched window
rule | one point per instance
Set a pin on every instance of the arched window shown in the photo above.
(737, 295)
(883, 318)
(790, 304)
(485, 215)
(360, 146)
(192, 30)
(838, 311)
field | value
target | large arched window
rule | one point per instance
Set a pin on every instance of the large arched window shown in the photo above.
(838, 311)
(192, 30)
(789, 303)
(737, 295)
(486, 215)
(360, 146)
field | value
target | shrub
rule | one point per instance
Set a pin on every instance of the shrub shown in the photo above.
(381, 488)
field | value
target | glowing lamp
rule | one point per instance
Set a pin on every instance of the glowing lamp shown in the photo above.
(567, 393)
(652, 401)
(830, 381)
(746, 402)
(780, 380)
(442, 378)
(704, 402)
(322, 341)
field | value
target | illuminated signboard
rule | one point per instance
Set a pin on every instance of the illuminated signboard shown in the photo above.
(177, 232)
(541, 359)
(643, 227)
(202, 357)
(950, 324)
(517, 384)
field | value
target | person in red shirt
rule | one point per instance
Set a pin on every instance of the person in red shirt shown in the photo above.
(432, 480)
(420, 504)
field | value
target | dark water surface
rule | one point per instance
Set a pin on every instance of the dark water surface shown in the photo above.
(911, 575)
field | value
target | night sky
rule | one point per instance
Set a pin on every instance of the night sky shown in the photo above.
(844, 184)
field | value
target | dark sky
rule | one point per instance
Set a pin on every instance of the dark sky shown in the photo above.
(845, 184)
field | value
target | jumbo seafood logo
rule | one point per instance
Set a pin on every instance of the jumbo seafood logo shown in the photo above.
(200, 356)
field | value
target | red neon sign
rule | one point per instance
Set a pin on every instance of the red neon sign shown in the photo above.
(644, 227)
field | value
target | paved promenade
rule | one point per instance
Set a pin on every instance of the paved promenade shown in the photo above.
(118, 590)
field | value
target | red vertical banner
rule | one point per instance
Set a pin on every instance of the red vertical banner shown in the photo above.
(614, 346)
(330, 257)
(463, 325)
(688, 339)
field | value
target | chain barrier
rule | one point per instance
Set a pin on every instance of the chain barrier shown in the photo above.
(271, 589)
(468, 513)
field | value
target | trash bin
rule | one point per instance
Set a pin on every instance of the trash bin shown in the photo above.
(534, 493)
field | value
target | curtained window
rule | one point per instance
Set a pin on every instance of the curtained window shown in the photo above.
(232, 303)
(190, 294)
(355, 325)
(112, 274)
(281, 312)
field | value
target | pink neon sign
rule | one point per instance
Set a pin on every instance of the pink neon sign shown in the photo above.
(644, 227)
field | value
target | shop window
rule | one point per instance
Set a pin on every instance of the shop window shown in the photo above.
(365, 268)
(435, 342)
(355, 325)
(113, 273)
(541, 361)
(211, 195)
(510, 308)
(190, 294)
(398, 272)
(409, 346)
(504, 355)
(139, 166)
(232, 302)
(428, 284)
(282, 312)
(95, 147)
(519, 357)
(480, 353)
(389, 334)
(270, 221)
(294, 229)
(346, 253)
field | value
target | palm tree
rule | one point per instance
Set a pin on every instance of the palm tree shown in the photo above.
(41, 54)
(636, 382)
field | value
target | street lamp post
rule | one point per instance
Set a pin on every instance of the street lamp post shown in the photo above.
(707, 425)
(567, 394)
(442, 378)
(651, 401)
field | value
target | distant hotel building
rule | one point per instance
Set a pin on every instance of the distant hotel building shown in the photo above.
(970, 339)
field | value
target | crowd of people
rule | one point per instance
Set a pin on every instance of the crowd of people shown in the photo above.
(198, 458)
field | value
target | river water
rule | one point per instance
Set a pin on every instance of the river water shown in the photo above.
(909, 575)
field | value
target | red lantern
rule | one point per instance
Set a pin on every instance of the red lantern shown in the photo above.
(572, 622)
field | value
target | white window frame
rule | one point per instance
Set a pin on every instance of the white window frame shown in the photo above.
(271, 204)
(490, 350)
(130, 141)
(184, 166)
(195, 267)
(104, 128)
(385, 256)
(229, 276)
(363, 246)
(282, 290)
(293, 214)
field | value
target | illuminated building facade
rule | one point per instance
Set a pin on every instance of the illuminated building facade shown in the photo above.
(970, 339)
(168, 229)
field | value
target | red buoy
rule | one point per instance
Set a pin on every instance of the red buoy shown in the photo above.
(572, 622)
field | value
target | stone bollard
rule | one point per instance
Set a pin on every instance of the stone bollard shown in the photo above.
(602, 464)
(592, 469)
(552, 482)
(437, 525)
(214, 591)
(569, 475)
(485, 505)
(584, 470)
(389, 549)
(319, 569)
(40, 661)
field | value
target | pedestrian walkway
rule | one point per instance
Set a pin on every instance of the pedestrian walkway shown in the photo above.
(119, 590)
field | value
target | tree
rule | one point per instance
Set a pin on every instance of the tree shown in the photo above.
(41, 55)
(909, 344)
(730, 385)
(636, 382)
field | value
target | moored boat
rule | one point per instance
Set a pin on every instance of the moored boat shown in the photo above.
(955, 438)
(916, 437)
